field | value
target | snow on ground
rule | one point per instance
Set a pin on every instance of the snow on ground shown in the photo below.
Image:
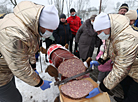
(35, 94)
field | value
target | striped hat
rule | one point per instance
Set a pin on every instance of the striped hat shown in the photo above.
(124, 6)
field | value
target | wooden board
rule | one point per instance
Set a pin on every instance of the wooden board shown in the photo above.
(99, 98)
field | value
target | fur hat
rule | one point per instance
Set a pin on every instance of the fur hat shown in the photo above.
(124, 6)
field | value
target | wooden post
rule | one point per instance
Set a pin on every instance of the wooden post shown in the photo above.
(100, 6)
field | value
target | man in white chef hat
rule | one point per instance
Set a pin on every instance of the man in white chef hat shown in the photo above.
(121, 48)
(20, 34)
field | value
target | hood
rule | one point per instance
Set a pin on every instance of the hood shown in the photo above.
(29, 12)
(118, 24)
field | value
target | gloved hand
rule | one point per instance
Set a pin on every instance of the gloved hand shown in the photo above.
(93, 93)
(95, 63)
(45, 85)
(36, 72)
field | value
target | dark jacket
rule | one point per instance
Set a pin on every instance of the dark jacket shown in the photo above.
(62, 34)
(87, 39)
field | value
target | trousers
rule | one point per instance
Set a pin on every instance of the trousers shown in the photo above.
(9, 92)
(71, 44)
(130, 88)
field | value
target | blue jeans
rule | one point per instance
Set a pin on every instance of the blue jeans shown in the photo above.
(9, 92)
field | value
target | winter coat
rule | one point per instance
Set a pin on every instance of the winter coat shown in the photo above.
(62, 34)
(74, 23)
(19, 43)
(87, 39)
(122, 49)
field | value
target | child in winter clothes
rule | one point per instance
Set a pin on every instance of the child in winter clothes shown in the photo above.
(103, 69)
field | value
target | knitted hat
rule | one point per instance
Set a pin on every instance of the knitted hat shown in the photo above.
(72, 10)
(101, 22)
(49, 17)
(62, 16)
(124, 6)
(131, 14)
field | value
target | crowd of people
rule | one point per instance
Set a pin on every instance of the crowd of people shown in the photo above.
(115, 36)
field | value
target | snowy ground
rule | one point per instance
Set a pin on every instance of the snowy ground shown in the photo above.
(33, 94)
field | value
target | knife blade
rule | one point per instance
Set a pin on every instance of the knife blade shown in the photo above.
(73, 77)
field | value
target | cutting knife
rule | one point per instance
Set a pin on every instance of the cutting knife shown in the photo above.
(73, 77)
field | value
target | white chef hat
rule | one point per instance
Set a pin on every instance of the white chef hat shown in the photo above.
(49, 17)
(101, 22)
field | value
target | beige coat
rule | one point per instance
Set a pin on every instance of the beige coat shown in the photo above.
(122, 49)
(19, 39)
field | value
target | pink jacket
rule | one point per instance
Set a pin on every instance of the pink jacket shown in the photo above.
(107, 66)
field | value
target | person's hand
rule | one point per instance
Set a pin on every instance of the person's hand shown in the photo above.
(93, 93)
(95, 63)
(36, 72)
(45, 85)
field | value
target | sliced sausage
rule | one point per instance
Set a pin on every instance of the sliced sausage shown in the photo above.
(76, 89)
(71, 67)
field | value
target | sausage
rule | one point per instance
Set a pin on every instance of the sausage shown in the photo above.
(60, 55)
(76, 89)
(71, 67)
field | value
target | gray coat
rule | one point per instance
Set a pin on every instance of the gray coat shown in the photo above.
(87, 39)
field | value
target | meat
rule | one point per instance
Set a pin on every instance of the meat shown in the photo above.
(60, 55)
(76, 89)
(71, 67)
